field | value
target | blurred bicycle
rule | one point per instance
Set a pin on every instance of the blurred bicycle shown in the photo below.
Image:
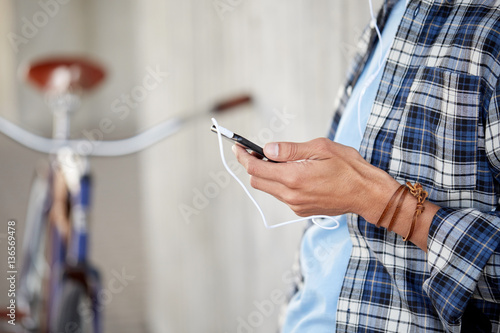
(58, 289)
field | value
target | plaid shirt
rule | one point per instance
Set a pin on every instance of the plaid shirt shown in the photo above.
(436, 121)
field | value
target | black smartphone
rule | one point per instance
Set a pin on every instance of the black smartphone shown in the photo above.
(245, 143)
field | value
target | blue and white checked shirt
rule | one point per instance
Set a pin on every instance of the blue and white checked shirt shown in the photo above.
(436, 121)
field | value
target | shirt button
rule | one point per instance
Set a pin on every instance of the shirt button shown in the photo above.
(415, 13)
(349, 90)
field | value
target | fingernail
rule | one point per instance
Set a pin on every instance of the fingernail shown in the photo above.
(272, 149)
(234, 149)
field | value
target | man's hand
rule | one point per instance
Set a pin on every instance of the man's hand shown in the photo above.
(320, 177)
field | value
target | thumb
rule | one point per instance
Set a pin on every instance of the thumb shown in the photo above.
(288, 151)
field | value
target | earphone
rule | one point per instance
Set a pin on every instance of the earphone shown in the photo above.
(381, 62)
(315, 218)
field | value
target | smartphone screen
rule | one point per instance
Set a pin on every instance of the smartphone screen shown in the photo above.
(235, 138)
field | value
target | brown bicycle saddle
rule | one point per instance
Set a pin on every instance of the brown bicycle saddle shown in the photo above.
(64, 73)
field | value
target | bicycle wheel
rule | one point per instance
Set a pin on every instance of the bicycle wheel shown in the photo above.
(71, 315)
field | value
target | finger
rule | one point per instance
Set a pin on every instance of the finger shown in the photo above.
(270, 186)
(259, 168)
(274, 188)
(288, 196)
(242, 154)
(294, 151)
(255, 154)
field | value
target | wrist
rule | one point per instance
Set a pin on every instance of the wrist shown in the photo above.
(379, 188)
(411, 217)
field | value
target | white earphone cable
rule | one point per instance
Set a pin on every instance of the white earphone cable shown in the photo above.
(315, 218)
(374, 24)
(381, 62)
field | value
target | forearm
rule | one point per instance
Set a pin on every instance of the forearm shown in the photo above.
(444, 233)
(376, 194)
(321, 177)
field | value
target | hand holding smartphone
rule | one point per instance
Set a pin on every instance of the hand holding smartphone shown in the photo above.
(245, 143)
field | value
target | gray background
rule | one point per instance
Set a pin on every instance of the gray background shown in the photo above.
(217, 268)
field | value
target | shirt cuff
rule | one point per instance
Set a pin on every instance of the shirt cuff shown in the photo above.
(460, 243)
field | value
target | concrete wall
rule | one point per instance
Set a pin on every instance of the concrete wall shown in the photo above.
(200, 257)
(104, 31)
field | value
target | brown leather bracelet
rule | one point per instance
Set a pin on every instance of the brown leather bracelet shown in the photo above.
(420, 194)
(398, 208)
(389, 205)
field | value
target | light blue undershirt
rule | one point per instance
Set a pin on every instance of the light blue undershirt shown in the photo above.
(325, 253)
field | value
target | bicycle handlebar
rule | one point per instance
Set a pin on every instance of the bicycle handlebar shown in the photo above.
(92, 148)
(113, 147)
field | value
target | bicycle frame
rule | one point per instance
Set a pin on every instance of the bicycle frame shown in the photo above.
(69, 259)
(57, 229)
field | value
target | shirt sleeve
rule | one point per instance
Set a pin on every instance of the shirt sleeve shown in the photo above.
(462, 252)
(464, 244)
